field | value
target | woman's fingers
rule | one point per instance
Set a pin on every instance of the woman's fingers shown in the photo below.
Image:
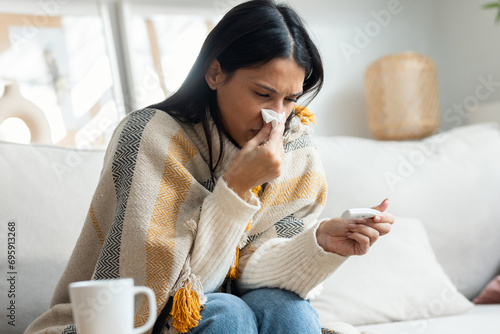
(382, 206)
(384, 218)
(278, 132)
(266, 134)
(382, 222)
(382, 228)
(364, 242)
(259, 161)
(261, 136)
(369, 232)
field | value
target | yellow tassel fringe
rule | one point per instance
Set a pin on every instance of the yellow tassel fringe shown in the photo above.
(305, 115)
(186, 309)
(233, 272)
(256, 190)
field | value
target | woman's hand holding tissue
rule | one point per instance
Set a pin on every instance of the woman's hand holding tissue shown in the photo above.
(259, 160)
(354, 237)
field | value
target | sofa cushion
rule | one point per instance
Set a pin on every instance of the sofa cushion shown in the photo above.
(450, 181)
(483, 319)
(45, 194)
(398, 279)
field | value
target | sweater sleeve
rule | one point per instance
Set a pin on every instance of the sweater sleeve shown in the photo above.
(223, 219)
(298, 264)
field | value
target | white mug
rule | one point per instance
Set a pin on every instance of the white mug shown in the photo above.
(107, 306)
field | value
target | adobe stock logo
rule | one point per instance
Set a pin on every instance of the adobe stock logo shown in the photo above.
(363, 37)
(31, 25)
(482, 92)
(413, 159)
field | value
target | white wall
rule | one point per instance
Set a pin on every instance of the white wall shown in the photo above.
(469, 51)
(461, 37)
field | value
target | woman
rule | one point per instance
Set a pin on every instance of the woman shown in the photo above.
(201, 201)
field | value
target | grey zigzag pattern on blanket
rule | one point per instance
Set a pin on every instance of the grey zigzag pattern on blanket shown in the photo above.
(209, 185)
(71, 329)
(287, 227)
(123, 171)
(301, 142)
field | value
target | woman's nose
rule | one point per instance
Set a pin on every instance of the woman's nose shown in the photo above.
(278, 107)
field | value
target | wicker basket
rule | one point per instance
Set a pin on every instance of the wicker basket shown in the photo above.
(402, 97)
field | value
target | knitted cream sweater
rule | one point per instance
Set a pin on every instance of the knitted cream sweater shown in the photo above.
(158, 217)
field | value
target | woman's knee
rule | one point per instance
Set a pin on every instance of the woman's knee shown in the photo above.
(225, 313)
(277, 308)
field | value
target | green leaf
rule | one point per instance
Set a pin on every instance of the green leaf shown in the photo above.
(491, 5)
(495, 5)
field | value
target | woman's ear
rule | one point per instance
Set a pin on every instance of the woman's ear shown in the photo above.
(214, 75)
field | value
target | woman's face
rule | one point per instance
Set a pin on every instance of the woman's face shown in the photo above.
(275, 85)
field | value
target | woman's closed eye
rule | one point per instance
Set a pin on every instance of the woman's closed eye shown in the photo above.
(289, 99)
(262, 95)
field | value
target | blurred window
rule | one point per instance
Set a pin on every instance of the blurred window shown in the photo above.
(164, 43)
(62, 62)
(59, 58)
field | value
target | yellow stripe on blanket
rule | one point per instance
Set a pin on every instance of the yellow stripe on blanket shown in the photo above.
(160, 242)
(311, 185)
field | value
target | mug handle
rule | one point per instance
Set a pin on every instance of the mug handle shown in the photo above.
(152, 309)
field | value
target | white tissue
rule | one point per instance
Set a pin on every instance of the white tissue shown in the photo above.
(272, 116)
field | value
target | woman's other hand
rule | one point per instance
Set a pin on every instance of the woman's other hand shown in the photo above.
(354, 237)
(258, 162)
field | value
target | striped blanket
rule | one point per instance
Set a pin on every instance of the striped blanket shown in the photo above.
(159, 217)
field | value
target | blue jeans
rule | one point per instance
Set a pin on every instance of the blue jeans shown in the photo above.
(264, 311)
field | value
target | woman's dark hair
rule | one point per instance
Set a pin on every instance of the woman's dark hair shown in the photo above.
(251, 34)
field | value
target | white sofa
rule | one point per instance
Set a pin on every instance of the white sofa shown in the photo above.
(444, 247)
